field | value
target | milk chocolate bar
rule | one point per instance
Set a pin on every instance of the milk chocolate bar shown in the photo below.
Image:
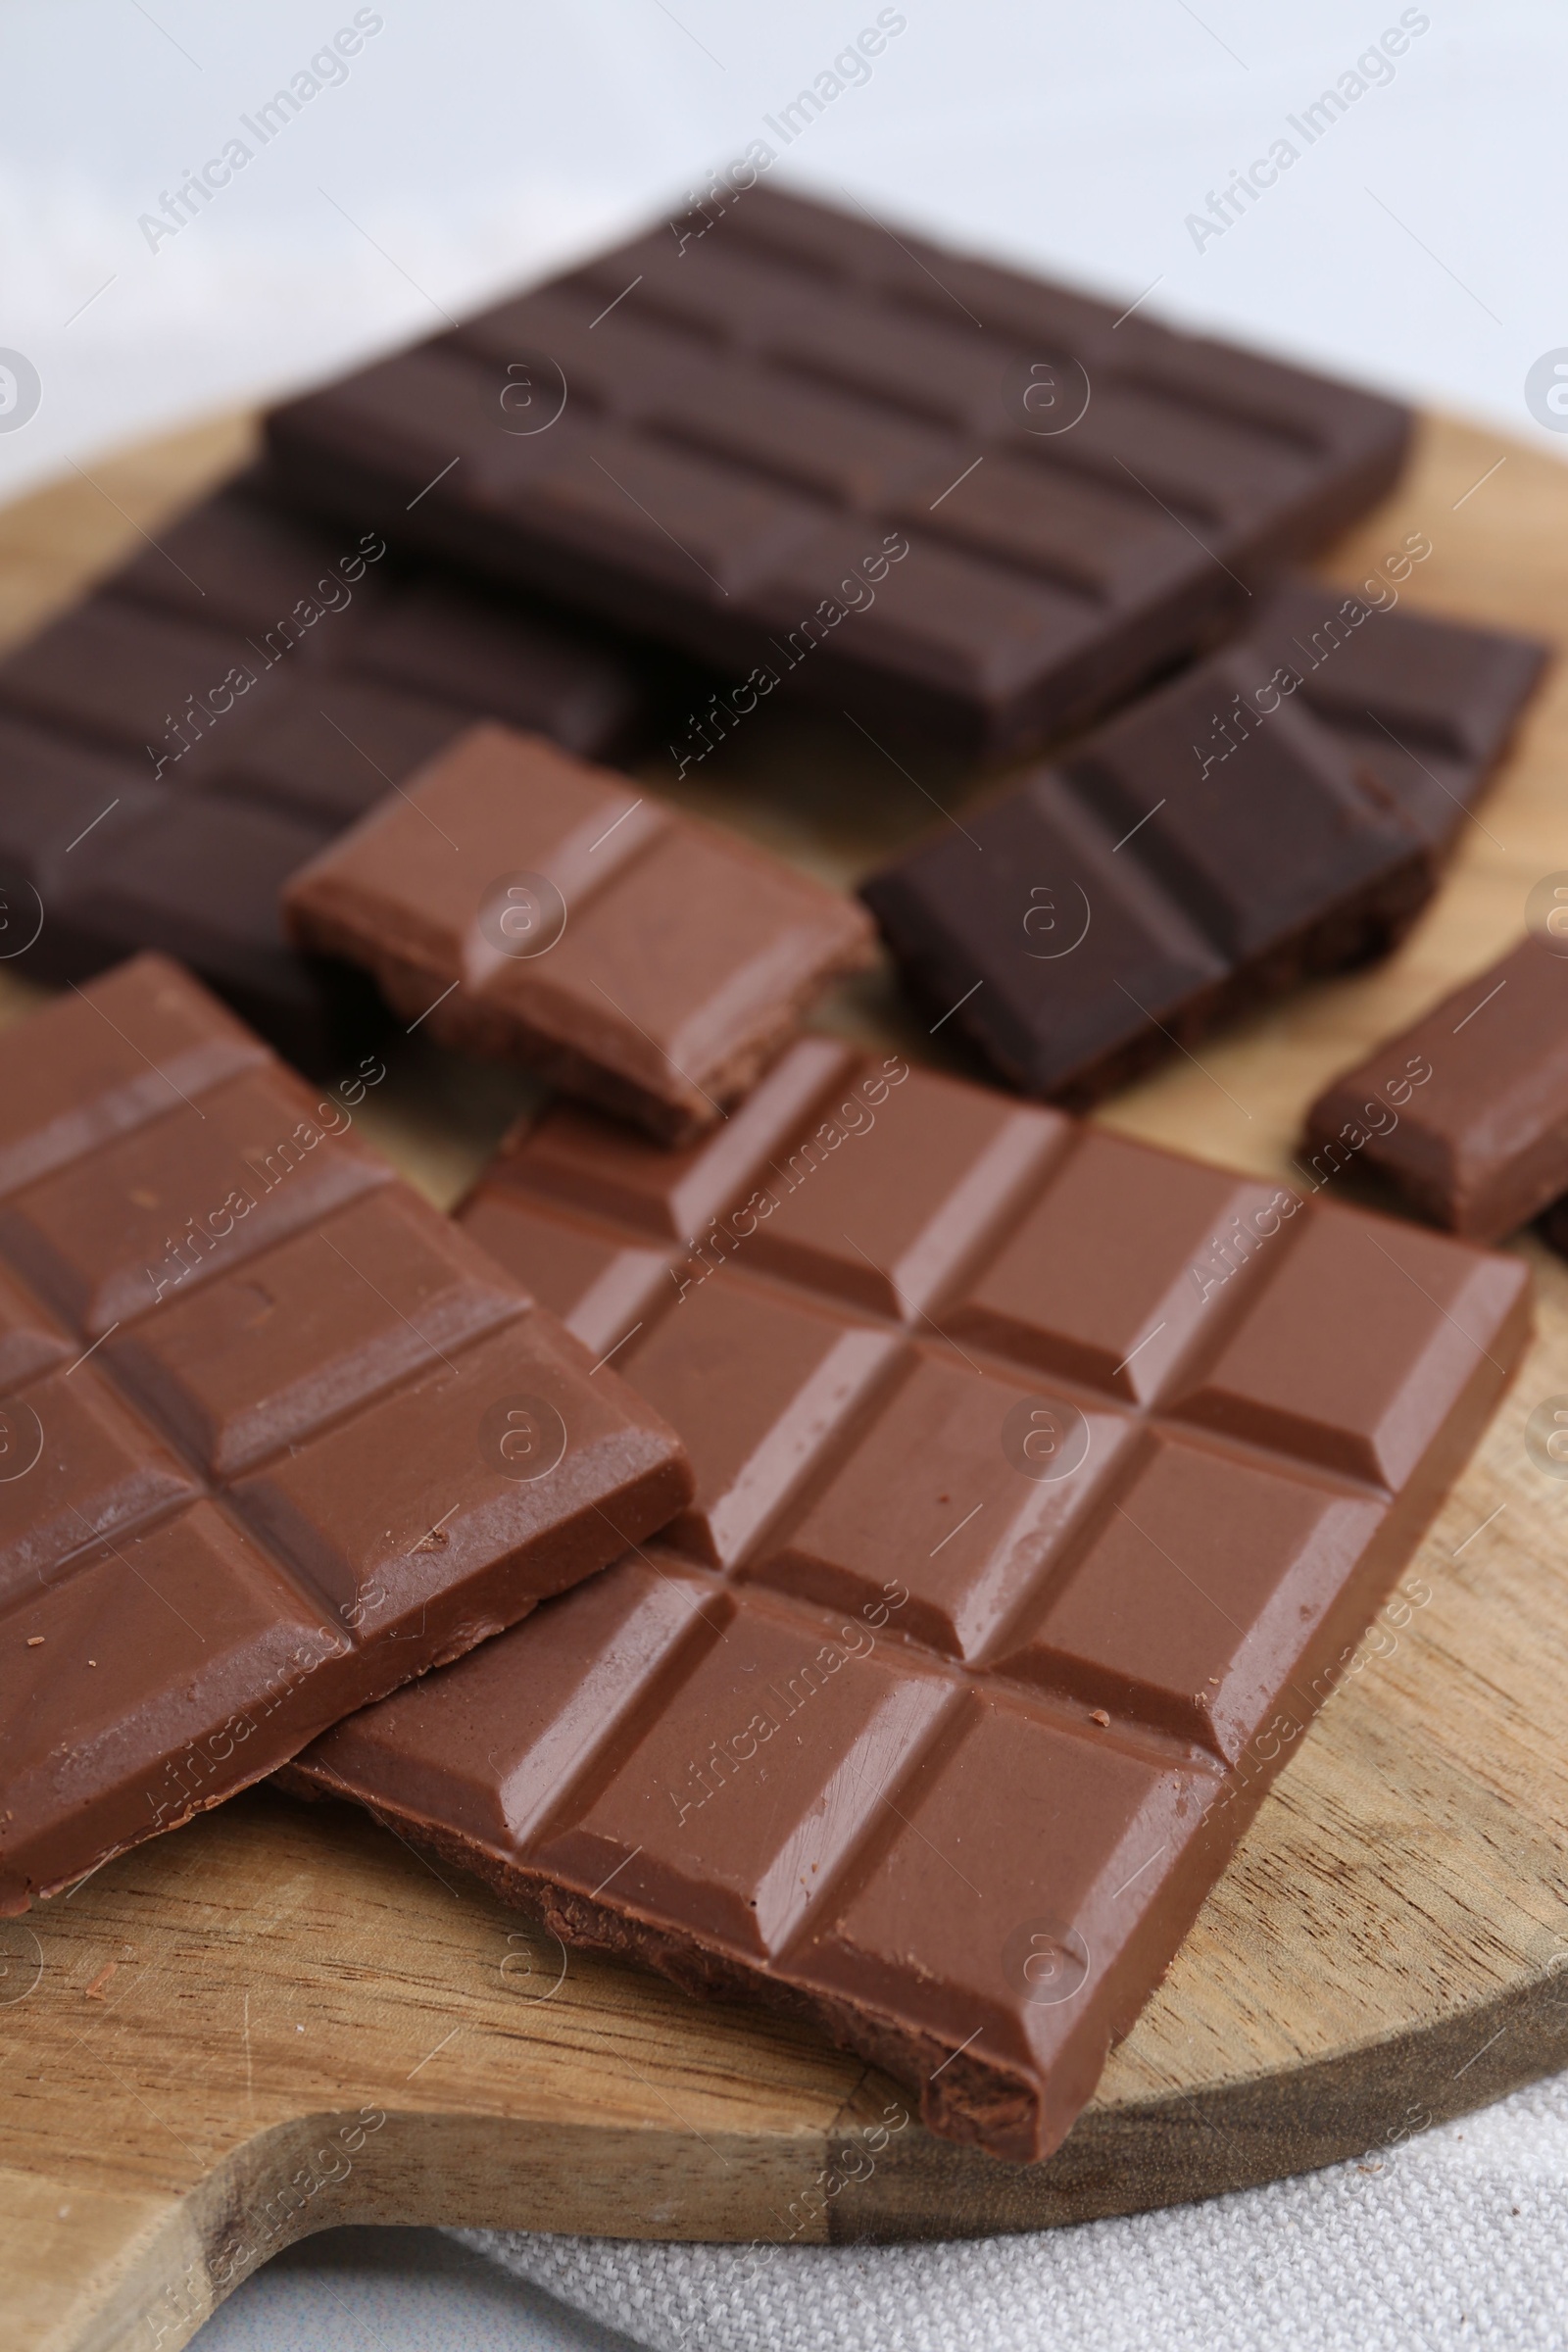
(829, 457)
(527, 907)
(175, 747)
(273, 1436)
(1465, 1114)
(1274, 814)
(1045, 1483)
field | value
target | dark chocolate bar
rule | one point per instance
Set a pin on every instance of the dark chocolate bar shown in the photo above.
(175, 747)
(273, 1436)
(1465, 1114)
(1555, 1226)
(1045, 1482)
(527, 907)
(1256, 823)
(838, 459)
(1424, 705)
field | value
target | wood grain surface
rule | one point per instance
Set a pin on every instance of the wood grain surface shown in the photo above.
(280, 2018)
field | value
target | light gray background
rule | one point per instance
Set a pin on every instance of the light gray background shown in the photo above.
(1416, 244)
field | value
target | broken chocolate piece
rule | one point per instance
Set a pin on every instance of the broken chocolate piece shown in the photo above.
(525, 905)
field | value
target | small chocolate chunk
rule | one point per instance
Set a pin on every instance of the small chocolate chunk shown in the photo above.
(523, 904)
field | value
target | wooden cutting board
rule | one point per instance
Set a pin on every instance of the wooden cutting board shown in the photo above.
(280, 2018)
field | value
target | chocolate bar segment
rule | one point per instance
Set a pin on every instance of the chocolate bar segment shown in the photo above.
(1465, 1114)
(854, 466)
(1254, 824)
(1037, 1507)
(523, 905)
(175, 747)
(273, 1436)
(1426, 705)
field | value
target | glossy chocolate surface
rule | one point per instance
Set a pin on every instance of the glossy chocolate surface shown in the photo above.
(175, 747)
(272, 1433)
(1466, 1112)
(1045, 1482)
(523, 905)
(1273, 814)
(855, 465)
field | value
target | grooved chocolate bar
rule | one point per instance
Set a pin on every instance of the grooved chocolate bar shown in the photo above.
(273, 1436)
(173, 748)
(1045, 1482)
(530, 907)
(848, 462)
(1466, 1112)
(1274, 814)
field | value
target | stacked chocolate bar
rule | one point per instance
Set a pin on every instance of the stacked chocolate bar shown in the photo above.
(845, 1536)
(1280, 812)
(819, 455)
